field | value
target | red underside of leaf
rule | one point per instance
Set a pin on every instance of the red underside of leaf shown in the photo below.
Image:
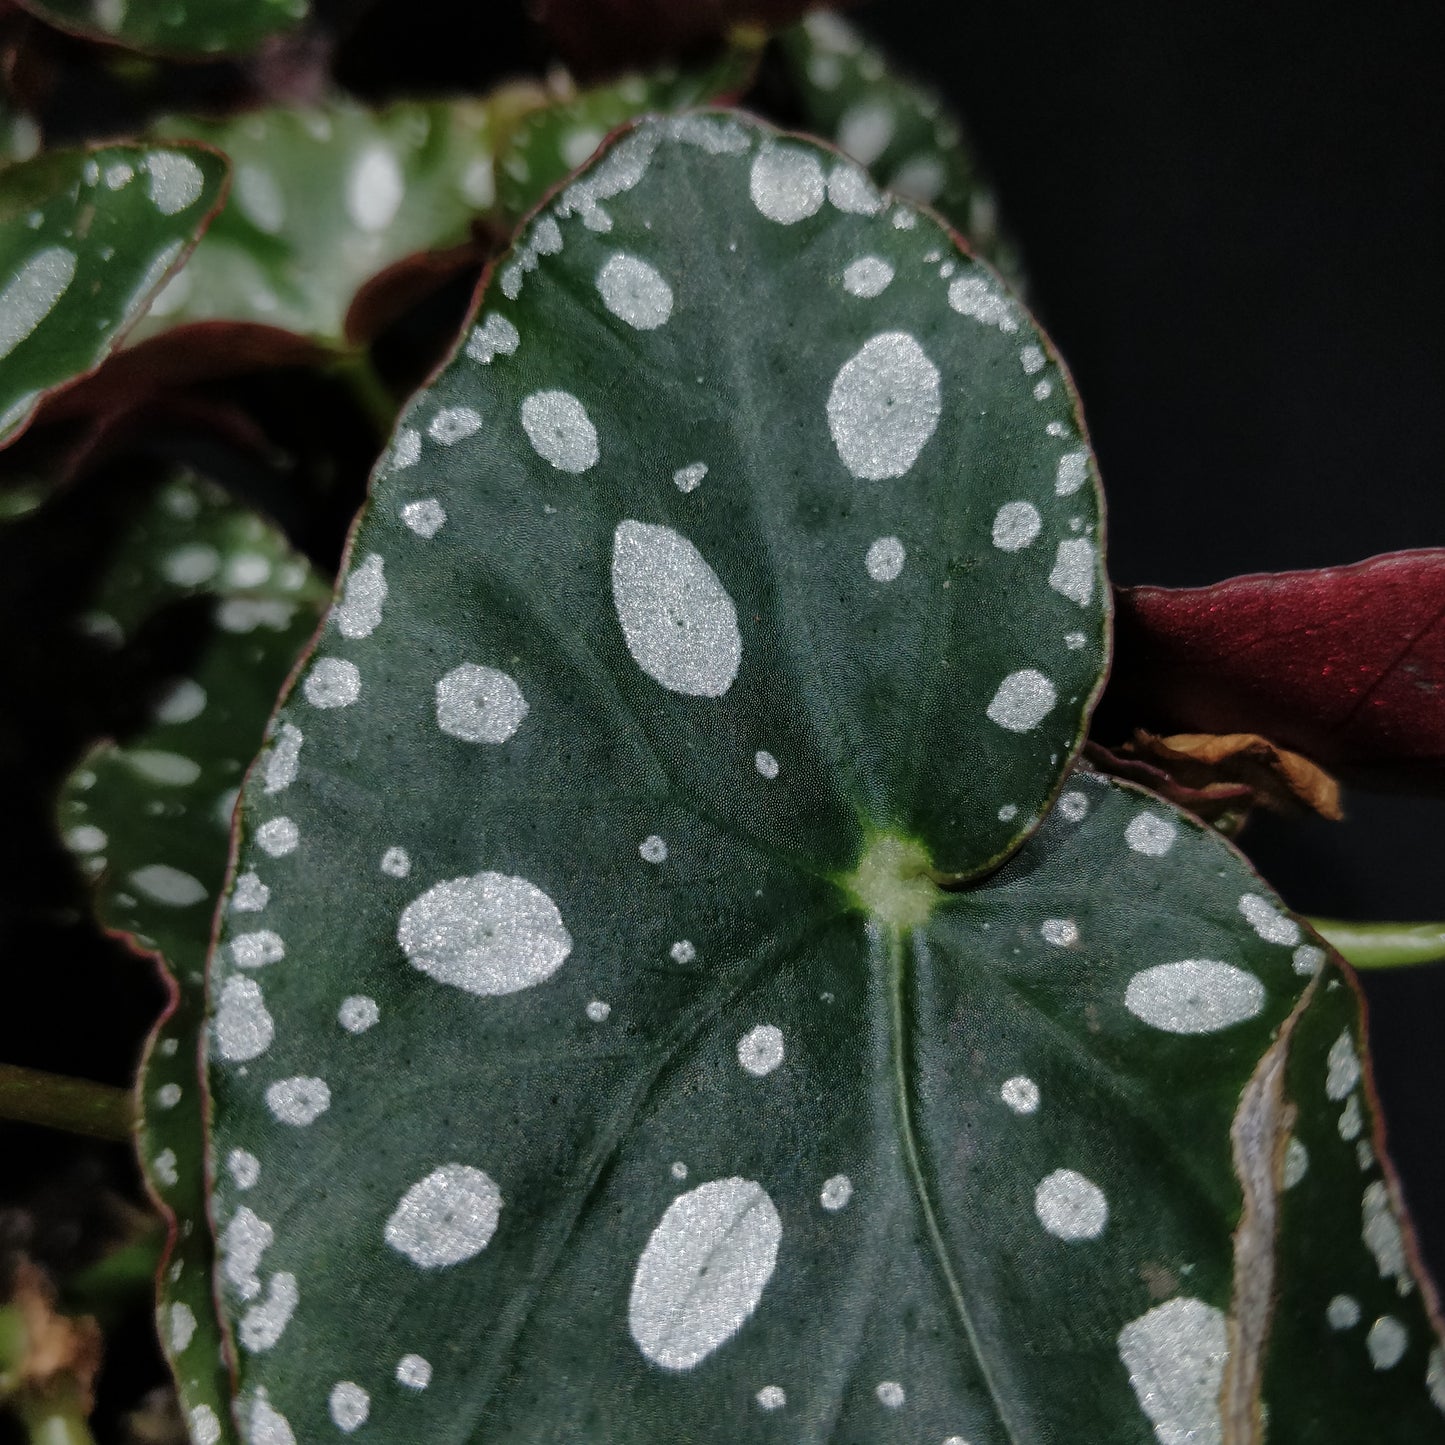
(1346, 664)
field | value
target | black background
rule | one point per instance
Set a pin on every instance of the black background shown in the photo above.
(1230, 220)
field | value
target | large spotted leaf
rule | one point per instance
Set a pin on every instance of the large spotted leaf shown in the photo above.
(149, 821)
(86, 238)
(175, 27)
(850, 92)
(639, 1038)
(325, 200)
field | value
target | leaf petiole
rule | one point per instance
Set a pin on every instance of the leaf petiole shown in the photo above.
(1384, 945)
(79, 1106)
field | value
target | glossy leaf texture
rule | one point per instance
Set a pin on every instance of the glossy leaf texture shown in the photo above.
(174, 27)
(1344, 664)
(326, 200)
(1354, 1317)
(548, 143)
(852, 94)
(149, 822)
(86, 239)
(606, 1061)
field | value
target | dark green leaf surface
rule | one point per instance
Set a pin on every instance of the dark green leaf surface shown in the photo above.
(323, 201)
(1354, 1353)
(86, 239)
(550, 142)
(605, 1062)
(174, 27)
(150, 823)
(897, 128)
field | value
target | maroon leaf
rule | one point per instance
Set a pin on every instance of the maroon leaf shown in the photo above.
(1345, 665)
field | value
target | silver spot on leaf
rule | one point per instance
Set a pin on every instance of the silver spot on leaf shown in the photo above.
(1267, 921)
(298, 1101)
(1194, 996)
(479, 704)
(359, 614)
(1071, 1207)
(446, 1218)
(488, 934)
(884, 406)
(1015, 526)
(703, 1271)
(1023, 700)
(680, 625)
(760, 1050)
(786, 183)
(1150, 834)
(634, 291)
(560, 430)
(1175, 1355)
(243, 1026)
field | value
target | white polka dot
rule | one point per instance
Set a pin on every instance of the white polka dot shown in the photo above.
(635, 292)
(1267, 921)
(867, 277)
(205, 1425)
(1073, 807)
(1387, 1342)
(333, 682)
(1061, 932)
(680, 625)
(865, 130)
(1023, 700)
(766, 764)
(283, 760)
(243, 1026)
(243, 1167)
(652, 849)
(1150, 834)
(374, 189)
(1032, 358)
(1342, 1067)
(678, 1170)
(560, 430)
(1073, 472)
(163, 884)
(837, 1191)
(183, 701)
(426, 517)
(884, 406)
(489, 934)
(259, 199)
(86, 839)
(890, 1394)
(1015, 525)
(689, 478)
(1008, 812)
(1074, 640)
(1195, 996)
(414, 1372)
(975, 296)
(1073, 571)
(453, 424)
(920, 178)
(760, 1050)
(598, 1011)
(851, 192)
(396, 862)
(771, 1397)
(299, 1101)
(164, 1165)
(358, 1013)
(1071, 1207)
(33, 293)
(405, 450)
(479, 704)
(182, 1325)
(258, 948)
(349, 1405)
(1343, 1312)
(885, 559)
(1308, 959)
(278, 837)
(703, 1271)
(1175, 1355)
(448, 1217)
(496, 336)
(1021, 1094)
(1296, 1163)
(682, 951)
(577, 145)
(174, 182)
(786, 183)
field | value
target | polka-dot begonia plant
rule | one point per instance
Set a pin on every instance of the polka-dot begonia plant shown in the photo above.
(675, 983)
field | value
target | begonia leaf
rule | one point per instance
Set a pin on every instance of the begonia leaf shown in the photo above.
(149, 822)
(174, 27)
(86, 240)
(692, 996)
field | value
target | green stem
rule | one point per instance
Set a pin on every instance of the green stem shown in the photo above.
(370, 392)
(1384, 945)
(79, 1106)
